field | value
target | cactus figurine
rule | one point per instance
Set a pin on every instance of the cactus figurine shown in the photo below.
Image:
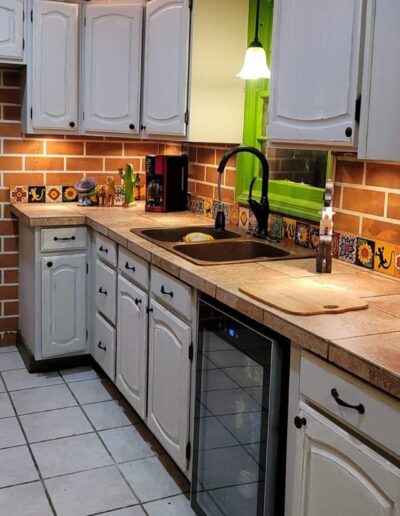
(128, 179)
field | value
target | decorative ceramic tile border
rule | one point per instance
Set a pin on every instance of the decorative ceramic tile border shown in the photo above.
(368, 254)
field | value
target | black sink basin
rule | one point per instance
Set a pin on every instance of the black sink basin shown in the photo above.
(231, 251)
(177, 234)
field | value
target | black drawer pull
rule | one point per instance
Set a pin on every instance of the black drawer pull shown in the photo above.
(100, 346)
(101, 248)
(65, 238)
(360, 408)
(138, 301)
(129, 268)
(163, 291)
(101, 291)
(49, 264)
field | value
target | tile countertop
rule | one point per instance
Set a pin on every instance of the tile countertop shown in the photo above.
(366, 343)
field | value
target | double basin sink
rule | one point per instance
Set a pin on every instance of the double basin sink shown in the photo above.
(229, 246)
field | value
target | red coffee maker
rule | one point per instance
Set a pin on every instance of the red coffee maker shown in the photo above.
(166, 183)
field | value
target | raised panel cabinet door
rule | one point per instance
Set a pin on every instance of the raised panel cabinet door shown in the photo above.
(11, 29)
(63, 304)
(132, 346)
(112, 68)
(315, 79)
(55, 65)
(169, 381)
(166, 57)
(337, 474)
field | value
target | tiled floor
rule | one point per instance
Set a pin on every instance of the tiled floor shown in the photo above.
(71, 446)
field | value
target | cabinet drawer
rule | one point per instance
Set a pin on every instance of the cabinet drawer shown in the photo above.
(172, 292)
(106, 249)
(133, 267)
(104, 346)
(66, 238)
(106, 288)
(381, 415)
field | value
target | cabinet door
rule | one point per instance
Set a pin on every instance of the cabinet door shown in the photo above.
(11, 29)
(55, 65)
(337, 474)
(132, 345)
(113, 36)
(169, 381)
(166, 54)
(64, 304)
(315, 71)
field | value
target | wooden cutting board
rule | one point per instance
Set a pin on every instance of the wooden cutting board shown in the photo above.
(302, 296)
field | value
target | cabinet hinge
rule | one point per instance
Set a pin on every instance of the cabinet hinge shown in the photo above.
(87, 334)
(148, 310)
(191, 352)
(87, 268)
(31, 113)
(190, 4)
(23, 43)
(31, 15)
(83, 115)
(84, 21)
(188, 451)
(358, 110)
(187, 117)
(23, 15)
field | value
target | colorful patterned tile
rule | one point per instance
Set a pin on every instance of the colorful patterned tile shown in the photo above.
(385, 258)
(289, 229)
(208, 206)
(214, 209)
(227, 211)
(397, 263)
(347, 248)
(193, 201)
(69, 194)
(365, 253)
(314, 237)
(18, 194)
(275, 230)
(53, 194)
(335, 245)
(36, 194)
(302, 237)
(243, 217)
(119, 195)
(253, 224)
(234, 214)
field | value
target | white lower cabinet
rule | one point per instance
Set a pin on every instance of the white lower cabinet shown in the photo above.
(132, 331)
(169, 381)
(336, 474)
(104, 346)
(63, 304)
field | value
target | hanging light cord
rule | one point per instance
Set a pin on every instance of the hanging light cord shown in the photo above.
(257, 20)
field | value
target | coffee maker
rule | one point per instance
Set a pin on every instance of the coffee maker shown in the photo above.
(166, 183)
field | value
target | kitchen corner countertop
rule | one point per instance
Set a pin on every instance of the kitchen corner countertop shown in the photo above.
(365, 343)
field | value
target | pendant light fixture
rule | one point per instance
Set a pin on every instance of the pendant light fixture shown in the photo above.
(255, 60)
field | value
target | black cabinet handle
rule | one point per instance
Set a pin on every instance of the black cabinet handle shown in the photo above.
(49, 264)
(163, 291)
(138, 301)
(72, 124)
(129, 268)
(103, 250)
(300, 421)
(360, 408)
(143, 127)
(132, 126)
(100, 346)
(65, 238)
(101, 291)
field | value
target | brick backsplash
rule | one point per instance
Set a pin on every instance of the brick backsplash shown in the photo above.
(366, 198)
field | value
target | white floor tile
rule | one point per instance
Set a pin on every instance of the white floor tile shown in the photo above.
(250, 376)
(9, 361)
(174, 506)
(245, 427)
(2, 386)
(8, 349)
(91, 391)
(110, 414)
(24, 500)
(89, 492)
(232, 401)
(65, 422)
(43, 398)
(149, 479)
(16, 466)
(213, 434)
(127, 443)
(10, 433)
(215, 379)
(237, 500)
(22, 379)
(70, 455)
(129, 511)
(6, 409)
(79, 373)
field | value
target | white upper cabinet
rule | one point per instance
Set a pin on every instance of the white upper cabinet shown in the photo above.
(336, 474)
(166, 56)
(11, 30)
(63, 304)
(54, 66)
(380, 112)
(112, 68)
(315, 79)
